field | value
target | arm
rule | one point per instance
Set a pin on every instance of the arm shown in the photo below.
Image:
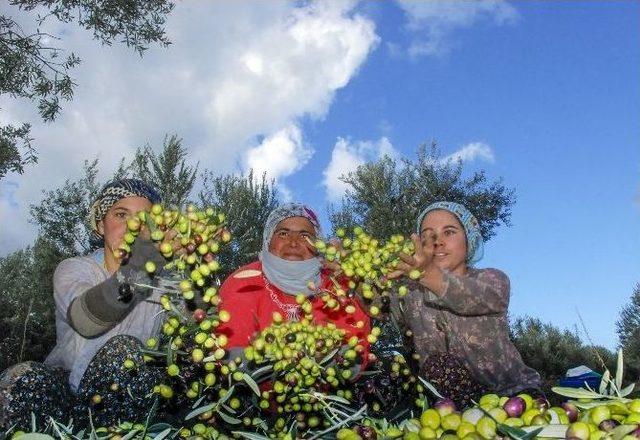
(486, 294)
(239, 299)
(101, 307)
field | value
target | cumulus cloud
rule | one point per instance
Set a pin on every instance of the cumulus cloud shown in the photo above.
(347, 157)
(433, 21)
(279, 155)
(471, 151)
(235, 72)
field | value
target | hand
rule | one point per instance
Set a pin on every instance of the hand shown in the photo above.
(333, 266)
(421, 266)
(170, 236)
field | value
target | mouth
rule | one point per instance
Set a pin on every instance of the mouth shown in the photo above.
(293, 257)
(440, 255)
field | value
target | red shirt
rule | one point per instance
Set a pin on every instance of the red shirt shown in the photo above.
(248, 298)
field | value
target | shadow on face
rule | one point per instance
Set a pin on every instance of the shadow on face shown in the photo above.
(290, 240)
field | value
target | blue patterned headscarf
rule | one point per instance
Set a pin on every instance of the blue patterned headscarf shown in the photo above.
(475, 243)
(110, 194)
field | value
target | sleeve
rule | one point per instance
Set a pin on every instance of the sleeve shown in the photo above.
(71, 279)
(484, 294)
(241, 307)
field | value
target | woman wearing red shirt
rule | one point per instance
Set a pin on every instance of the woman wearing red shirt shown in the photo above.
(288, 266)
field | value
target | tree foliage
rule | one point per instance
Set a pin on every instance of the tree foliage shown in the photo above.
(63, 214)
(247, 203)
(386, 196)
(33, 69)
(167, 171)
(552, 351)
(628, 329)
(26, 303)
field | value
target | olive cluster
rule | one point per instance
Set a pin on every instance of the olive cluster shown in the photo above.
(189, 348)
(310, 367)
(189, 240)
(366, 261)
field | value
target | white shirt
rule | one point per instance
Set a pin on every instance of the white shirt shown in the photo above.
(73, 352)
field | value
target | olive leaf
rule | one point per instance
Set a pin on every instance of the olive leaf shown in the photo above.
(250, 435)
(252, 383)
(619, 370)
(431, 388)
(604, 382)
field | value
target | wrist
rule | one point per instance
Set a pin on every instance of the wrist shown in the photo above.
(433, 279)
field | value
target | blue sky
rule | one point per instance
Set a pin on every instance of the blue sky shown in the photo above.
(543, 94)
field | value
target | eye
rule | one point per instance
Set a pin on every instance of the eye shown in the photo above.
(121, 215)
(282, 234)
(450, 232)
(306, 235)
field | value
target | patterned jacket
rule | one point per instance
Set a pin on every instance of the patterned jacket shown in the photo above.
(470, 321)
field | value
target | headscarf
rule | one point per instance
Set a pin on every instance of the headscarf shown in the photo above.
(110, 194)
(475, 243)
(292, 277)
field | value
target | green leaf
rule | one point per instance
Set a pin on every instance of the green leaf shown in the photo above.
(163, 434)
(627, 390)
(131, 434)
(36, 436)
(250, 435)
(201, 410)
(329, 356)
(619, 432)
(619, 370)
(604, 382)
(577, 393)
(431, 388)
(252, 383)
(549, 431)
(336, 399)
(266, 369)
(355, 416)
(227, 418)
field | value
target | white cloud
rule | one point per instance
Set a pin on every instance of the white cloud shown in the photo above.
(279, 155)
(471, 151)
(235, 72)
(433, 21)
(347, 157)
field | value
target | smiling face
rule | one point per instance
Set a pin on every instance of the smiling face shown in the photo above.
(114, 224)
(290, 239)
(448, 238)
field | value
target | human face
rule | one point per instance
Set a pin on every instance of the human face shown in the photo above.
(290, 239)
(114, 224)
(442, 230)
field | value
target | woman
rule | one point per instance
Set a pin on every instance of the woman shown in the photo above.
(458, 314)
(101, 317)
(287, 266)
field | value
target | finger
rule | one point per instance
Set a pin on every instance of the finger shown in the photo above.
(337, 243)
(408, 259)
(404, 267)
(144, 232)
(332, 266)
(418, 245)
(395, 274)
